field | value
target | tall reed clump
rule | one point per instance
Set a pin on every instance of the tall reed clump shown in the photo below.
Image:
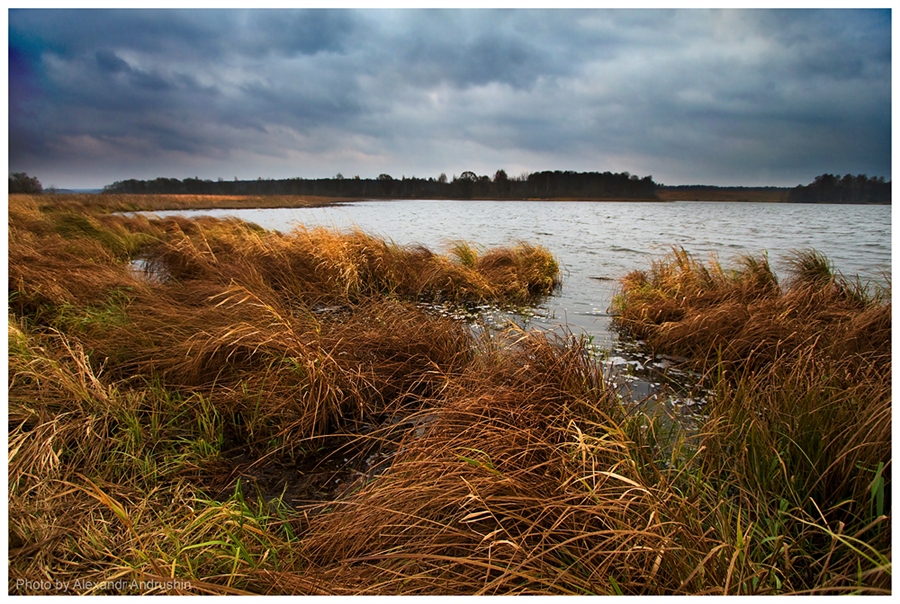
(321, 322)
(59, 258)
(744, 315)
(797, 436)
(329, 267)
(518, 482)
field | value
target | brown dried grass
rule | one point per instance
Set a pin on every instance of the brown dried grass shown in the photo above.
(515, 469)
(520, 482)
(705, 312)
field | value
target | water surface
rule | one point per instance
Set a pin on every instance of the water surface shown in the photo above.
(597, 243)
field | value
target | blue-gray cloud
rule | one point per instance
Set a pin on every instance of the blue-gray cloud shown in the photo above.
(739, 97)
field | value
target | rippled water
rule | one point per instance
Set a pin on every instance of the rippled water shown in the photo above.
(597, 243)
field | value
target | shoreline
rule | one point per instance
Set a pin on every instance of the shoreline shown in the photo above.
(134, 202)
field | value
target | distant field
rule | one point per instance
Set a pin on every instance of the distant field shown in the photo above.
(127, 202)
(724, 194)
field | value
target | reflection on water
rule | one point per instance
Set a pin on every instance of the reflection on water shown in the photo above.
(597, 243)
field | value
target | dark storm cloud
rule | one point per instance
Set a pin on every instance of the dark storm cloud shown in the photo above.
(742, 97)
(293, 33)
(109, 62)
(70, 32)
(461, 49)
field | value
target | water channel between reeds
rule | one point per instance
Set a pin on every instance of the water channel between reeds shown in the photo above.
(597, 243)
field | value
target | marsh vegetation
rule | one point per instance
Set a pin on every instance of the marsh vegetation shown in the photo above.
(205, 406)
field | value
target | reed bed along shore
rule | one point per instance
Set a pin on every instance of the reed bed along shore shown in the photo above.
(138, 202)
(202, 406)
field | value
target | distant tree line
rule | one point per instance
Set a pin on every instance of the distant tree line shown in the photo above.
(467, 185)
(830, 188)
(20, 182)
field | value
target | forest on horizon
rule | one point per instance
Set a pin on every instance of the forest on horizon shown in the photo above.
(826, 188)
(467, 185)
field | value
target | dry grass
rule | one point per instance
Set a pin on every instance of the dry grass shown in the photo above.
(122, 202)
(127, 389)
(518, 482)
(275, 414)
(744, 316)
(320, 322)
(801, 417)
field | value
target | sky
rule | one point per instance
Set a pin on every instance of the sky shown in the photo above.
(722, 97)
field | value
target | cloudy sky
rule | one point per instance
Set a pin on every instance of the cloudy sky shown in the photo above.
(747, 97)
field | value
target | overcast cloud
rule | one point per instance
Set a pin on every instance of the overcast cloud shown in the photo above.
(743, 97)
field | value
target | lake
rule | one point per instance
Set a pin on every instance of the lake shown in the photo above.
(599, 242)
